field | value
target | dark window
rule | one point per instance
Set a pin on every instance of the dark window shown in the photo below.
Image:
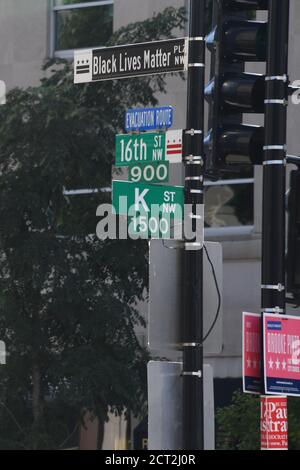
(230, 202)
(82, 24)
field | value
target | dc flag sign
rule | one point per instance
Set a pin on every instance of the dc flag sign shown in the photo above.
(281, 354)
(133, 60)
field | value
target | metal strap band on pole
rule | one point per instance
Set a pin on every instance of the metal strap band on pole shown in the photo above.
(193, 158)
(196, 64)
(193, 131)
(190, 245)
(199, 38)
(193, 178)
(279, 287)
(196, 191)
(273, 310)
(274, 162)
(282, 78)
(273, 101)
(190, 160)
(193, 373)
(274, 147)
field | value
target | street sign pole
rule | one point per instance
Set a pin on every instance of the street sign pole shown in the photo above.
(193, 422)
(274, 172)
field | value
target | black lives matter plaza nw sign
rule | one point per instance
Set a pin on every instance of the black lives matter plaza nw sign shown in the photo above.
(92, 65)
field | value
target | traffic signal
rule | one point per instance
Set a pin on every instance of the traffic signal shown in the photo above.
(236, 39)
(293, 254)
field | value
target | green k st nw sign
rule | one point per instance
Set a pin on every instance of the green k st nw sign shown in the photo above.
(140, 198)
(151, 210)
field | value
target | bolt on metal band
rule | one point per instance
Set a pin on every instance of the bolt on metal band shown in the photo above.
(193, 131)
(197, 38)
(197, 64)
(282, 78)
(274, 162)
(278, 287)
(273, 101)
(272, 310)
(195, 374)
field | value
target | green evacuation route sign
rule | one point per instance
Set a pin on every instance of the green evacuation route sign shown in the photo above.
(151, 209)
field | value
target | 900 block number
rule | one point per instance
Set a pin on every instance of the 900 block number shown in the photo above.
(149, 172)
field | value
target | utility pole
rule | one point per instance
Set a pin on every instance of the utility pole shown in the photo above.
(274, 170)
(193, 423)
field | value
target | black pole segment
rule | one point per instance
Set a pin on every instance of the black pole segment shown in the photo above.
(192, 375)
(274, 172)
(275, 154)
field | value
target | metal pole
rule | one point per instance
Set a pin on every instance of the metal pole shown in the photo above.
(193, 432)
(274, 171)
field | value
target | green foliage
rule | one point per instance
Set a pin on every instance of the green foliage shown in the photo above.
(68, 303)
(293, 421)
(238, 425)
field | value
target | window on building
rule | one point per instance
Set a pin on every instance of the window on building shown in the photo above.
(229, 203)
(80, 24)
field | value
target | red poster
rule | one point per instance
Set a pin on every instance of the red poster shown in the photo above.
(274, 423)
(251, 353)
(282, 354)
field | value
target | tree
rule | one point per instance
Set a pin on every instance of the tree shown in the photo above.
(67, 300)
(238, 425)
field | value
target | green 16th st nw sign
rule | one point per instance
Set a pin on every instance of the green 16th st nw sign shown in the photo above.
(149, 147)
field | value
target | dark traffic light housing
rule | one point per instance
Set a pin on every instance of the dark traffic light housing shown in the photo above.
(231, 92)
(238, 5)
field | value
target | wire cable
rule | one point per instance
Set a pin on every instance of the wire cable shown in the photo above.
(217, 288)
(219, 296)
